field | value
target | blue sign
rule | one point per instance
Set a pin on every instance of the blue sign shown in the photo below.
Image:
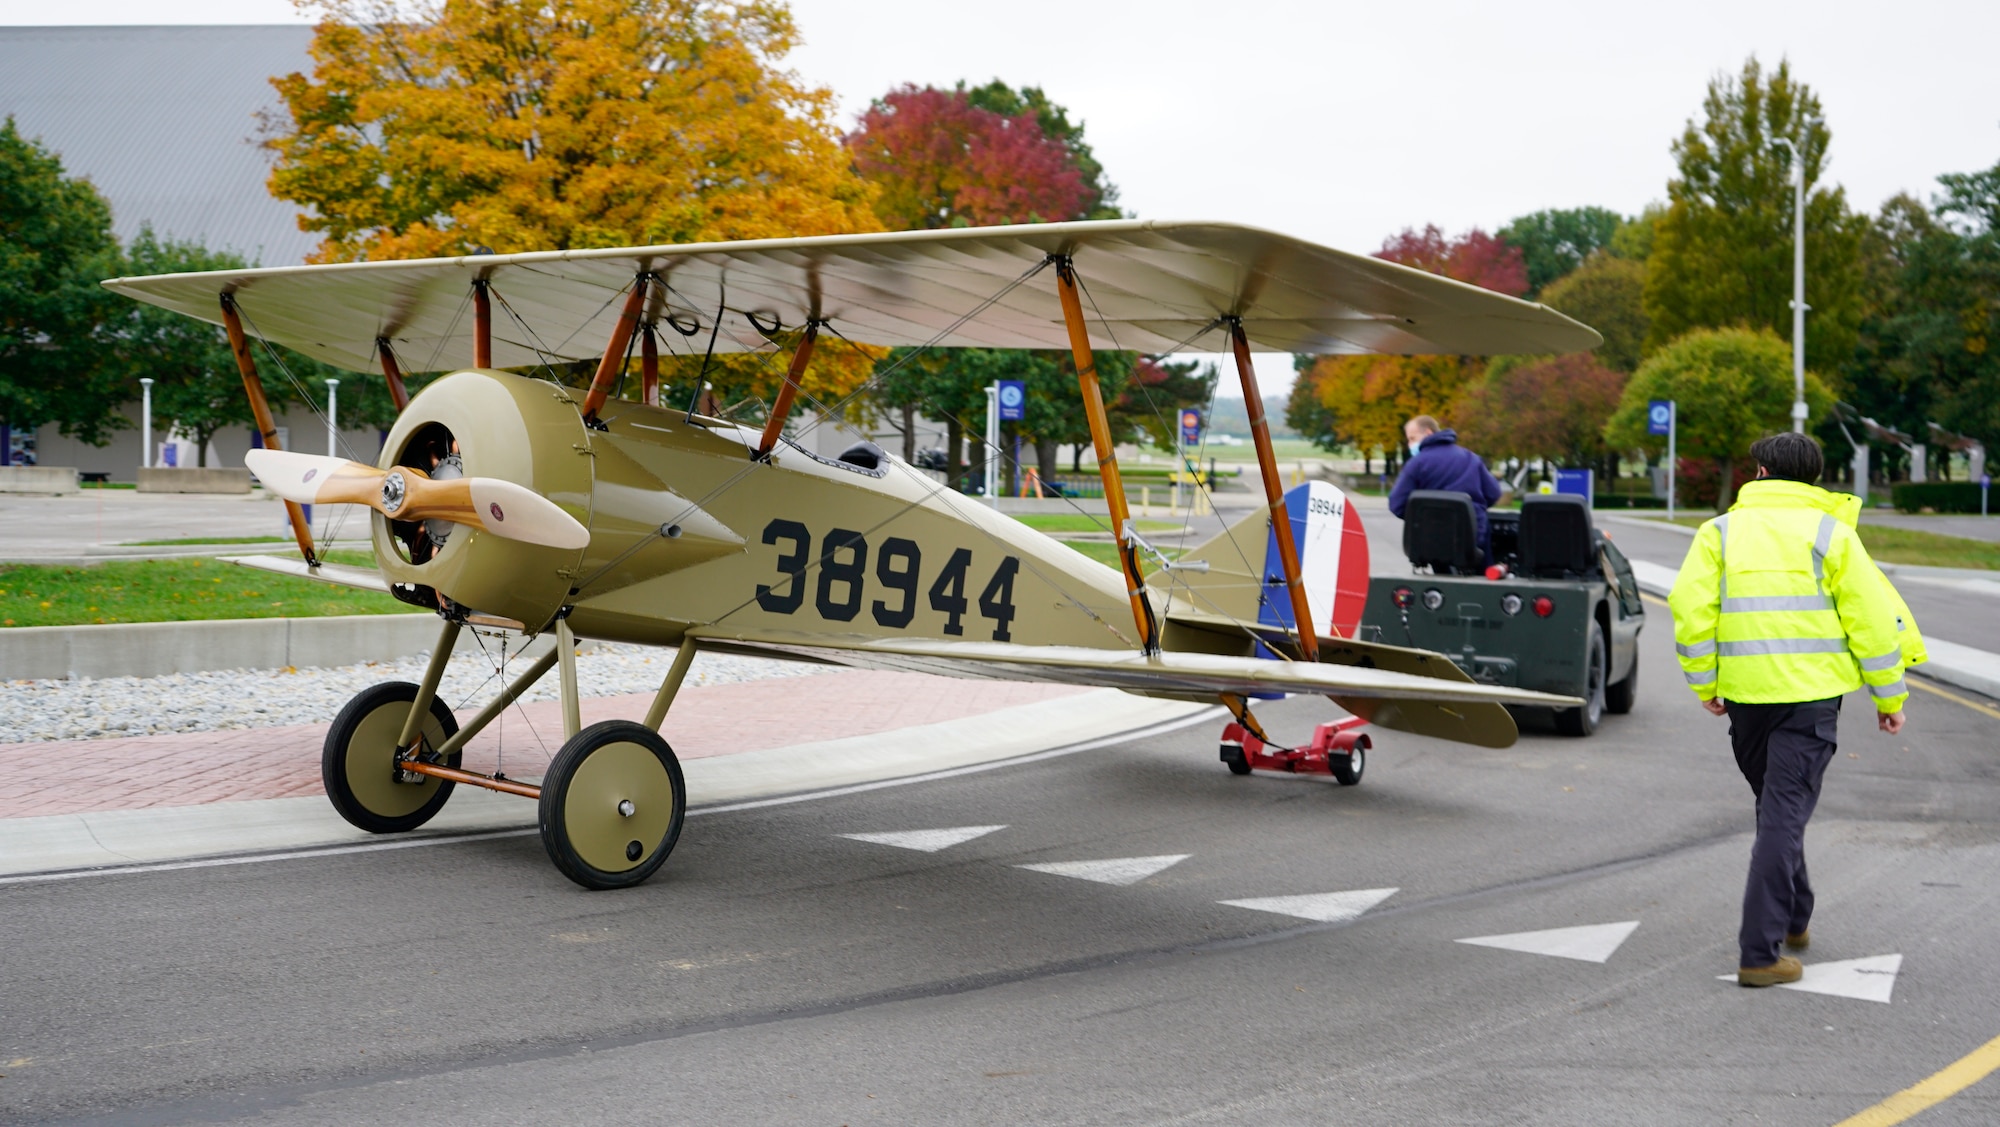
(1659, 416)
(1013, 400)
(1575, 481)
(1190, 426)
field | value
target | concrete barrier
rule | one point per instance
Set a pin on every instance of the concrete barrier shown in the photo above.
(149, 649)
(188, 479)
(38, 479)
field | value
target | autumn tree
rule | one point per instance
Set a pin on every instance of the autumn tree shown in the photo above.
(1607, 293)
(1730, 387)
(56, 363)
(1722, 254)
(1556, 241)
(1101, 200)
(943, 158)
(1553, 408)
(435, 128)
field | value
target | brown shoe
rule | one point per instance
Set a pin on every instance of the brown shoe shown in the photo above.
(1799, 942)
(1786, 969)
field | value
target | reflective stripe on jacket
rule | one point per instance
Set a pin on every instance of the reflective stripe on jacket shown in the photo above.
(1779, 602)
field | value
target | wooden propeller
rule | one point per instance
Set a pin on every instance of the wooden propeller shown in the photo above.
(405, 493)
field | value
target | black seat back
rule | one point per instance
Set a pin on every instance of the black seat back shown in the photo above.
(1441, 532)
(1556, 539)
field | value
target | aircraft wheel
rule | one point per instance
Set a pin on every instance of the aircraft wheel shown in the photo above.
(1583, 721)
(358, 763)
(612, 805)
(1619, 698)
(1234, 759)
(1347, 768)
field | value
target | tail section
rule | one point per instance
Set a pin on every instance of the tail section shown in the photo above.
(1246, 578)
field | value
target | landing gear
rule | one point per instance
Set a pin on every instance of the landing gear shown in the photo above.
(612, 805)
(359, 763)
(1337, 749)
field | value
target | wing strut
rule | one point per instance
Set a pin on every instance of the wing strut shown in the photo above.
(780, 410)
(260, 409)
(393, 373)
(482, 323)
(1274, 492)
(1107, 454)
(614, 349)
(649, 364)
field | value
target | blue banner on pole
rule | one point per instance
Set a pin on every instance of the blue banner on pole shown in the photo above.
(1013, 401)
(1659, 416)
(1190, 426)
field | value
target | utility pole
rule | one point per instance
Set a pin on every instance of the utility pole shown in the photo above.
(146, 422)
(332, 431)
(1799, 278)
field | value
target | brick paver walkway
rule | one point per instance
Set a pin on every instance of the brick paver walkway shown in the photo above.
(199, 767)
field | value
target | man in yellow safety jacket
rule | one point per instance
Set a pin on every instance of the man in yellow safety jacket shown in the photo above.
(1778, 613)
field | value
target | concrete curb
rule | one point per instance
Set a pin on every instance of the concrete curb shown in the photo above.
(116, 840)
(150, 649)
(1952, 664)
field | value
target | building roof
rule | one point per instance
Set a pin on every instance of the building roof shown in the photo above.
(164, 121)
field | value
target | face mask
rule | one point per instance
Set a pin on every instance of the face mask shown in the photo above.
(1414, 447)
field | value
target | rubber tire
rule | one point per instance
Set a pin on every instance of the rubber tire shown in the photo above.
(364, 719)
(1234, 759)
(575, 833)
(1619, 698)
(1347, 768)
(1583, 721)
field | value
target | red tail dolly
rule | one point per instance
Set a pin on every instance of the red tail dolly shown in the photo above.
(1337, 748)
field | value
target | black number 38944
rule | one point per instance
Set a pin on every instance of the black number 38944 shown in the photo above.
(837, 583)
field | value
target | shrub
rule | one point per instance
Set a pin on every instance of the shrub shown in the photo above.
(1939, 496)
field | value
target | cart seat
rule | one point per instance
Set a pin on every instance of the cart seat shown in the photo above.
(1556, 537)
(1441, 532)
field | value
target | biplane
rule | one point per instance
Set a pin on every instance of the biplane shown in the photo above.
(505, 500)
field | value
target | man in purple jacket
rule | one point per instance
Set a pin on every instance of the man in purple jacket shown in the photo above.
(1437, 461)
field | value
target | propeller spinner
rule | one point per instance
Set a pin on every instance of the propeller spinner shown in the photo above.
(405, 493)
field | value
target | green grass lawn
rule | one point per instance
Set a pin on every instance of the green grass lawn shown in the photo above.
(176, 591)
(1106, 553)
(1053, 523)
(1910, 546)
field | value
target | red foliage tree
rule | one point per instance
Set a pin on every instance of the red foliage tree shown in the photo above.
(940, 161)
(1475, 257)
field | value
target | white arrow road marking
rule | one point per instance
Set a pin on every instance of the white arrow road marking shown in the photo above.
(1871, 979)
(1115, 870)
(1325, 907)
(1591, 943)
(926, 841)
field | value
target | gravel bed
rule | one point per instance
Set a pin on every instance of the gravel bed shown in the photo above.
(261, 698)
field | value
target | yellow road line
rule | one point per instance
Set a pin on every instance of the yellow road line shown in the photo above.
(1954, 1078)
(1653, 599)
(1954, 697)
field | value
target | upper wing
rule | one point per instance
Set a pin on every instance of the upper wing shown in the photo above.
(1153, 286)
(1427, 694)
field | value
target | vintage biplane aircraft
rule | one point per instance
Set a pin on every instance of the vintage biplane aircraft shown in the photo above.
(507, 501)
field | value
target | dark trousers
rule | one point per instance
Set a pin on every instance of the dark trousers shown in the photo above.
(1783, 750)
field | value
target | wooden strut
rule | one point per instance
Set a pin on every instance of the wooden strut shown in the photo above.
(260, 409)
(392, 372)
(614, 350)
(1274, 494)
(470, 778)
(482, 323)
(1107, 455)
(782, 409)
(649, 365)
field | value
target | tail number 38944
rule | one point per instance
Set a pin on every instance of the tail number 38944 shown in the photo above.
(838, 578)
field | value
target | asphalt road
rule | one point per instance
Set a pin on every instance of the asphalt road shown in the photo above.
(775, 972)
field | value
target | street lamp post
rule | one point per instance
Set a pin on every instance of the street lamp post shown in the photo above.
(146, 422)
(332, 432)
(1799, 306)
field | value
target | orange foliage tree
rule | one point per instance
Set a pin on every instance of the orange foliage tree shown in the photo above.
(439, 127)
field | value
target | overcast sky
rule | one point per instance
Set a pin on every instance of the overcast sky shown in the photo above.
(1343, 123)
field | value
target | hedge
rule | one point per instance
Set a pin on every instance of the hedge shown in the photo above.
(1938, 496)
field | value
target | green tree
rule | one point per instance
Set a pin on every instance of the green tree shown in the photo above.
(196, 388)
(1722, 255)
(56, 365)
(1608, 294)
(1634, 238)
(1556, 241)
(1306, 413)
(1730, 386)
